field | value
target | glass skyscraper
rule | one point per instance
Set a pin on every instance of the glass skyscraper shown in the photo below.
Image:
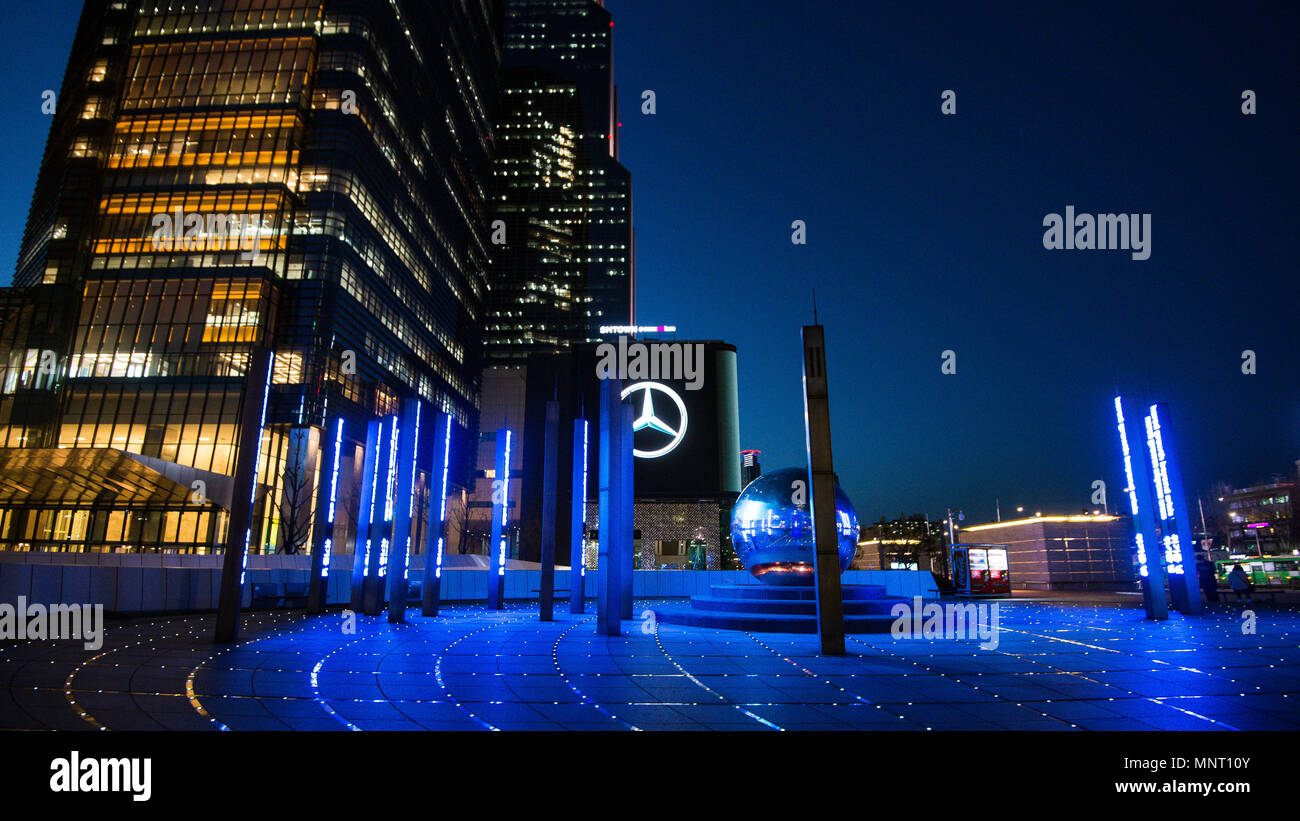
(566, 266)
(310, 178)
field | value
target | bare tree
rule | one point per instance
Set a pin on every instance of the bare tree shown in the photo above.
(293, 507)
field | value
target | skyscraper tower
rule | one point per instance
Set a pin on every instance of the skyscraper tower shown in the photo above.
(222, 179)
(566, 266)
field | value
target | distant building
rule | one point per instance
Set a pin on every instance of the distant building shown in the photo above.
(1062, 552)
(565, 265)
(1261, 519)
(686, 471)
(562, 268)
(750, 469)
(914, 543)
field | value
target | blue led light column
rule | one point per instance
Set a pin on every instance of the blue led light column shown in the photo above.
(1141, 506)
(500, 509)
(239, 530)
(627, 552)
(323, 532)
(578, 520)
(403, 511)
(381, 523)
(366, 510)
(1171, 506)
(613, 540)
(435, 538)
(550, 488)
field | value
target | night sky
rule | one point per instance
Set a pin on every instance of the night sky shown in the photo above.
(925, 231)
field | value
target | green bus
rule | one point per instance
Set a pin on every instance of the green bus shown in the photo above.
(1263, 571)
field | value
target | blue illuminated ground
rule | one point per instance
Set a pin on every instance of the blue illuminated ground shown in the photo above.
(1058, 666)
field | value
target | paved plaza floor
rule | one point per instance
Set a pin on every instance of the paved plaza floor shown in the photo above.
(1066, 665)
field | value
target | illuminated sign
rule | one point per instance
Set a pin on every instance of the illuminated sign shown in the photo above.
(647, 419)
(638, 329)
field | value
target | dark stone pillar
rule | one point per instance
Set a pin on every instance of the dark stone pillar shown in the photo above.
(252, 419)
(821, 471)
(550, 487)
(578, 520)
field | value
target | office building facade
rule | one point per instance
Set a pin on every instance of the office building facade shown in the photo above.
(563, 255)
(298, 185)
(1262, 520)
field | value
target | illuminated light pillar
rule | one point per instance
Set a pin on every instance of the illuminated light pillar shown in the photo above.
(239, 530)
(500, 509)
(627, 553)
(403, 511)
(578, 521)
(1171, 506)
(435, 540)
(550, 487)
(821, 502)
(1142, 508)
(615, 529)
(381, 542)
(327, 504)
(366, 510)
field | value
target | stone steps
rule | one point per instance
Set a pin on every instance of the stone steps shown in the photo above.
(780, 609)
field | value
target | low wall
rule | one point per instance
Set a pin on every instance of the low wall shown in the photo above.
(129, 583)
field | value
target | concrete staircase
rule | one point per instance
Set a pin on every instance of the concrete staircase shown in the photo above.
(764, 608)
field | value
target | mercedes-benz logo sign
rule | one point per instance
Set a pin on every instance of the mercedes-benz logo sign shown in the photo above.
(647, 418)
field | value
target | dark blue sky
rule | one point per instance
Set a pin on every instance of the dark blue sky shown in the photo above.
(925, 232)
